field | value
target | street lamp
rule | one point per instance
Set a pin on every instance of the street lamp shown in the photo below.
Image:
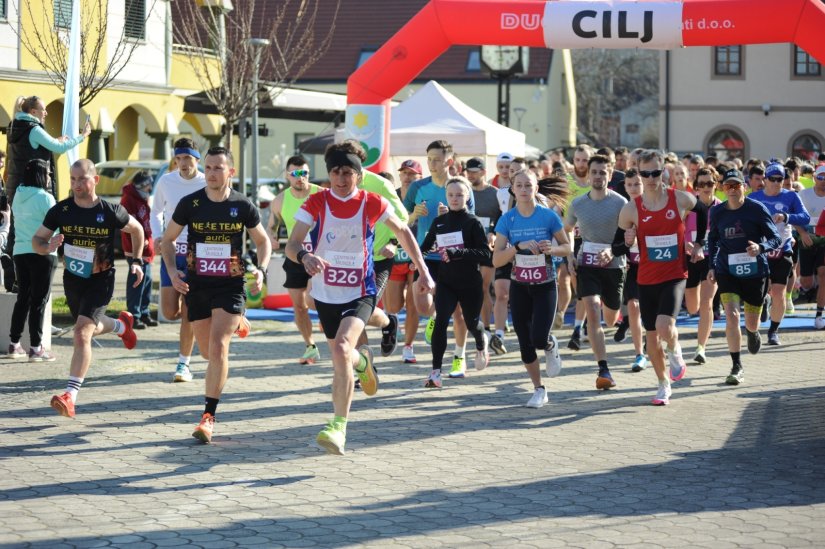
(257, 45)
(520, 112)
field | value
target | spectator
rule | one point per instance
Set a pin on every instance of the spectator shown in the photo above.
(135, 199)
(34, 271)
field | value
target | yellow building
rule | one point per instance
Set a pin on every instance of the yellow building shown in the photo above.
(140, 113)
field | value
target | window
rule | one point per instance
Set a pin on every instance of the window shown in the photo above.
(134, 25)
(806, 146)
(3, 14)
(474, 61)
(726, 144)
(62, 14)
(365, 54)
(727, 61)
(805, 64)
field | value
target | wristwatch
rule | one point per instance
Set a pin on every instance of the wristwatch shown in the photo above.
(139, 261)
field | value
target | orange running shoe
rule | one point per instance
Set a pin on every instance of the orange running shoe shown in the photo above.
(63, 405)
(203, 431)
(243, 328)
(129, 337)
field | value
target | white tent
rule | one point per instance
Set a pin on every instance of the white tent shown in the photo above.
(434, 113)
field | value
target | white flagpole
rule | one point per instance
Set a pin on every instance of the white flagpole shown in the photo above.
(71, 103)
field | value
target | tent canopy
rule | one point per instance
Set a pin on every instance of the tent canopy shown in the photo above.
(434, 113)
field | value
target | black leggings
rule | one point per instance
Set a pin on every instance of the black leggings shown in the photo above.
(533, 309)
(34, 279)
(447, 295)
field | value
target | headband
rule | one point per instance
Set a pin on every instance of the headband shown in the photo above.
(338, 159)
(187, 150)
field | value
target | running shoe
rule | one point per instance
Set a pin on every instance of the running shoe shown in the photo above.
(639, 364)
(538, 399)
(16, 351)
(182, 373)
(819, 323)
(434, 380)
(773, 338)
(203, 432)
(558, 321)
(243, 328)
(552, 359)
(604, 380)
(677, 366)
(40, 356)
(408, 355)
(575, 342)
(736, 375)
(332, 438)
(789, 308)
(367, 376)
(662, 397)
(428, 330)
(754, 342)
(482, 355)
(459, 369)
(311, 355)
(621, 331)
(497, 345)
(128, 337)
(63, 404)
(389, 336)
(699, 357)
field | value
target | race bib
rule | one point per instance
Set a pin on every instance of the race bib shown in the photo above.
(344, 270)
(181, 248)
(401, 255)
(79, 261)
(692, 239)
(742, 265)
(212, 259)
(449, 241)
(530, 269)
(662, 247)
(776, 254)
(590, 253)
(307, 244)
(633, 254)
(485, 222)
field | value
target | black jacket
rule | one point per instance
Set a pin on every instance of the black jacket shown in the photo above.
(465, 261)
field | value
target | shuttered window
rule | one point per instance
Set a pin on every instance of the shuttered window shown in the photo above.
(135, 24)
(63, 14)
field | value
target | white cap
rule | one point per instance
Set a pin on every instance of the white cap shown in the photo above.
(505, 157)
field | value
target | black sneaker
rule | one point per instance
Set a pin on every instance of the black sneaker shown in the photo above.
(575, 342)
(754, 342)
(138, 325)
(149, 321)
(773, 338)
(497, 345)
(621, 331)
(389, 336)
(736, 376)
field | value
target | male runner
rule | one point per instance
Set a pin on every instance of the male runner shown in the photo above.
(87, 227)
(812, 254)
(283, 209)
(213, 283)
(170, 188)
(343, 283)
(741, 232)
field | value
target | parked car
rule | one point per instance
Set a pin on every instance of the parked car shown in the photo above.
(114, 174)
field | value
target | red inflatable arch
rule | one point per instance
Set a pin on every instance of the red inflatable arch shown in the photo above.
(564, 24)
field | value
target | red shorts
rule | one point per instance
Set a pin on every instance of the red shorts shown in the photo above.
(400, 271)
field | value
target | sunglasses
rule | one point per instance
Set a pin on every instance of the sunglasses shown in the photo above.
(820, 178)
(703, 184)
(299, 173)
(651, 173)
(632, 172)
(776, 179)
(731, 184)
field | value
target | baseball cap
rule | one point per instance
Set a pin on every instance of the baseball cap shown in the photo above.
(733, 175)
(475, 164)
(820, 170)
(411, 165)
(774, 169)
(505, 157)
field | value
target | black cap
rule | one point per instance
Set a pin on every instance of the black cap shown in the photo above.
(733, 175)
(475, 164)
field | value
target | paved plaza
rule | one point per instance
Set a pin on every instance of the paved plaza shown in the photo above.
(465, 466)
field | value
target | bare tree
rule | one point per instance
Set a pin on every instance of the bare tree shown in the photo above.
(217, 41)
(48, 44)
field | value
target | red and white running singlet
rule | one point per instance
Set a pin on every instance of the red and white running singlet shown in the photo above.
(346, 229)
(661, 239)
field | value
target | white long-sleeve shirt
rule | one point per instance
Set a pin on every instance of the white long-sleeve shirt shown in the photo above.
(171, 187)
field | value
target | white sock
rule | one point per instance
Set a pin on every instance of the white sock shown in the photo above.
(578, 323)
(36, 349)
(459, 351)
(500, 333)
(183, 359)
(119, 328)
(73, 387)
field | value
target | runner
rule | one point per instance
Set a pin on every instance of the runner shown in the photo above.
(283, 210)
(488, 212)
(786, 210)
(530, 227)
(170, 188)
(699, 290)
(600, 274)
(741, 232)
(213, 283)
(87, 226)
(459, 237)
(656, 219)
(343, 283)
(812, 253)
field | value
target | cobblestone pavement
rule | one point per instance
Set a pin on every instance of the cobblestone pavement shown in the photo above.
(465, 466)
